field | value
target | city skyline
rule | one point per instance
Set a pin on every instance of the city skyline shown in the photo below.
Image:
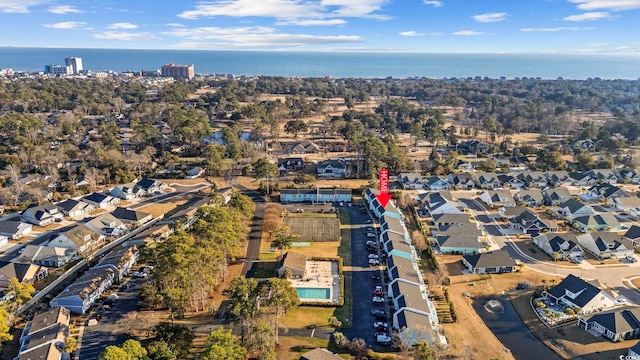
(446, 26)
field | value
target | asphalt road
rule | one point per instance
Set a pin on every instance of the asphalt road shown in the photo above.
(361, 282)
(255, 234)
(106, 332)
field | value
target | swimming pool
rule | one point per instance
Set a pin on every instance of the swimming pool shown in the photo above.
(314, 293)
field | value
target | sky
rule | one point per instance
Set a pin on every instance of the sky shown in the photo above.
(429, 26)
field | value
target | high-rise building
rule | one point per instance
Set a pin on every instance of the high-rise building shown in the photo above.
(75, 63)
(178, 71)
(58, 69)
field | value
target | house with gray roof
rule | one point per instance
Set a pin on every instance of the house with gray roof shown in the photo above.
(319, 354)
(615, 325)
(41, 215)
(451, 219)
(459, 244)
(606, 245)
(75, 208)
(461, 181)
(399, 267)
(127, 191)
(555, 196)
(531, 198)
(633, 235)
(528, 222)
(534, 179)
(414, 326)
(573, 208)
(587, 296)
(412, 181)
(565, 245)
(627, 205)
(435, 183)
(304, 147)
(335, 168)
(130, 216)
(495, 262)
(101, 201)
(497, 198)
(294, 262)
(107, 225)
(627, 175)
(15, 229)
(597, 222)
(80, 238)
(487, 181)
(46, 255)
(84, 291)
(606, 191)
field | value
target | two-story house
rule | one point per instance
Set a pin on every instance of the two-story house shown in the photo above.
(41, 215)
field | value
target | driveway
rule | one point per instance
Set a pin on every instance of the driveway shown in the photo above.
(493, 230)
(97, 337)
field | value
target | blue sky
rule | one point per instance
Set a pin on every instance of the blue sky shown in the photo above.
(450, 26)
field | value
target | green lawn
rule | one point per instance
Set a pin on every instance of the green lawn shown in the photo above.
(344, 251)
(266, 269)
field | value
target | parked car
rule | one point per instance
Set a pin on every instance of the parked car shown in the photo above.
(140, 274)
(371, 235)
(383, 338)
(631, 258)
(373, 256)
(374, 262)
(369, 221)
(377, 293)
(377, 299)
(378, 312)
(380, 324)
(369, 228)
(371, 243)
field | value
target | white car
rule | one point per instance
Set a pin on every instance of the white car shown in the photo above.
(373, 256)
(380, 324)
(368, 221)
(371, 235)
(377, 299)
(383, 338)
(374, 262)
(371, 243)
(140, 274)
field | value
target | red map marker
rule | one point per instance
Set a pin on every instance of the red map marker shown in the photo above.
(384, 195)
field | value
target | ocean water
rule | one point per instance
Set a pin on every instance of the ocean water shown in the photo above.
(340, 65)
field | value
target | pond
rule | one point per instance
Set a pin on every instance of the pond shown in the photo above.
(501, 318)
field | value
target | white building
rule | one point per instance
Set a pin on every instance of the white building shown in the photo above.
(75, 63)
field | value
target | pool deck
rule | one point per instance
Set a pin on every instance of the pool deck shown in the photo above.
(320, 275)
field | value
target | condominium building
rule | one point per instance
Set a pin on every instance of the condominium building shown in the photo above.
(75, 63)
(178, 71)
(57, 69)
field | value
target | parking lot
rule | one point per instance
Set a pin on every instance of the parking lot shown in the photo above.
(363, 283)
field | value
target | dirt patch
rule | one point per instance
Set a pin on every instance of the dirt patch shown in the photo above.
(161, 208)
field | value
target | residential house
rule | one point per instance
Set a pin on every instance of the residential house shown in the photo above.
(319, 354)
(583, 145)
(573, 208)
(121, 260)
(466, 166)
(101, 201)
(195, 172)
(436, 203)
(528, 222)
(459, 244)
(15, 229)
(587, 296)
(226, 194)
(304, 147)
(555, 196)
(126, 191)
(606, 245)
(615, 325)
(315, 195)
(558, 178)
(597, 222)
(46, 320)
(451, 219)
(46, 255)
(532, 198)
(41, 215)
(634, 351)
(454, 229)
(335, 168)
(396, 244)
(148, 186)
(606, 191)
(495, 262)
(473, 147)
(534, 179)
(487, 181)
(57, 335)
(107, 225)
(461, 181)
(560, 246)
(412, 181)
(290, 164)
(633, 235)
(83, 293)
(510, 181)
(3, 240)
(75, 208)
(400, 267)
(603, 175)
(414, 326)
(79, 239)
(628, 205)
(582, 179)
(497, 198)
(131, 217)
(23, 272)
(627, 175)
(436, 183)
(294, 262)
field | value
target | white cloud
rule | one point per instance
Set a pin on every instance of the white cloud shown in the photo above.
(433, 3)
(288, 10)
(19, 6)
(467, 33)
(625, 48)
(254, 37)
(613, 5)
(64, 9)
(588, 16)
(123, 26)
(554, 29)
(313, 22)
(490, 17)
(124, 36)
(65, 25)
(599, 44)
(175, 25)
(410, 33)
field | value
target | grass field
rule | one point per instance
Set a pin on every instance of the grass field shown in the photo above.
(314, 228)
